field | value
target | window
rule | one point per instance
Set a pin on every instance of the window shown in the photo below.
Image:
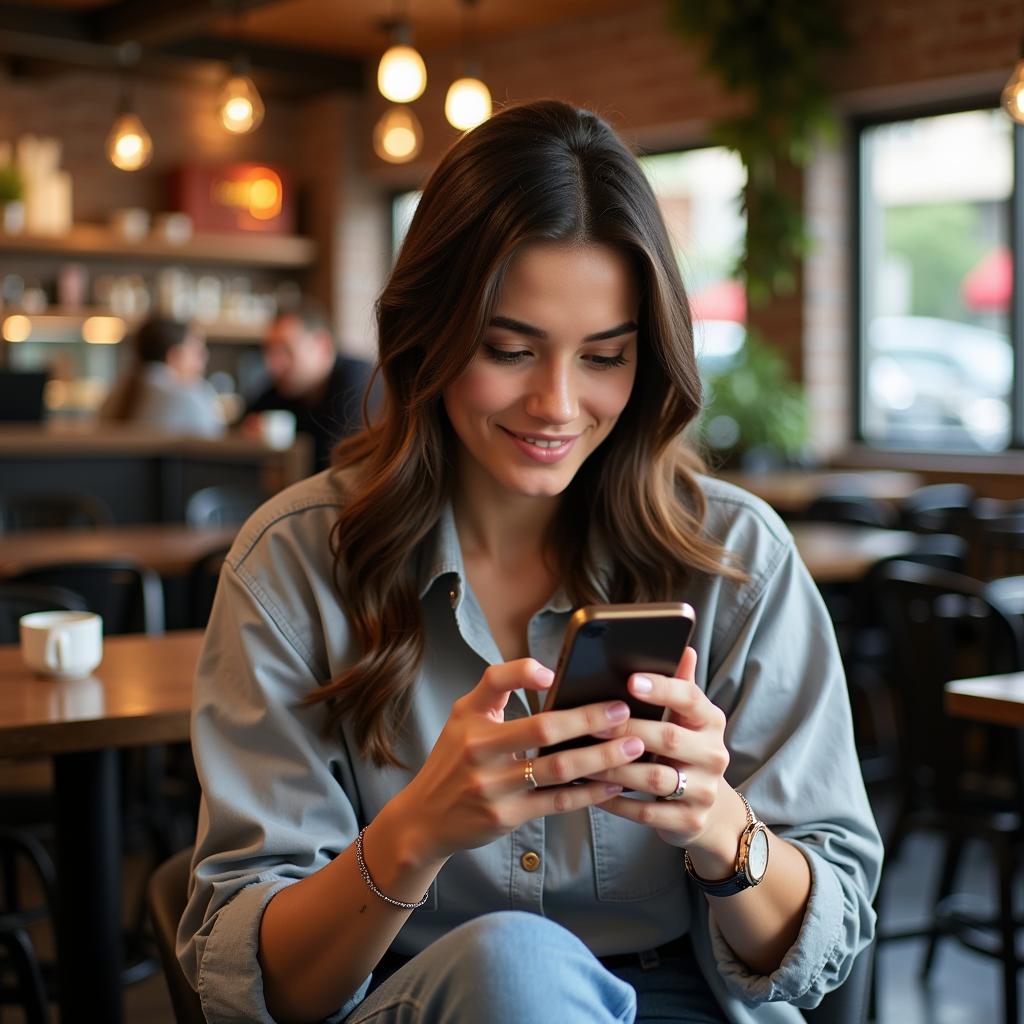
(936, 282)
(699, 194)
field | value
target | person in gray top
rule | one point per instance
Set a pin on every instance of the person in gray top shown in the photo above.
(379, 837)
(164, 388)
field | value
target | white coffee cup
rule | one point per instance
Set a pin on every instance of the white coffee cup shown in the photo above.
(64, 645)
(278, 427)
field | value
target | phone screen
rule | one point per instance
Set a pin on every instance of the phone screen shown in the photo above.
(605, 644)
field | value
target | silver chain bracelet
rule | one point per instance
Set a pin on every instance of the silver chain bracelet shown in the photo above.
(365, 872)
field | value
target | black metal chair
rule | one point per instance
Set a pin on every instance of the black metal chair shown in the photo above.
(56, 510)
(129, 596)
(945, 626)
(222, 505)
(17, 599)
(866, 650)
(18, 957)
(937, 508)
(166, 896)
(858, 509)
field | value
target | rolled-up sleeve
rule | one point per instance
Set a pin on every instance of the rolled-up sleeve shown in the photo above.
(779, 679)
(274, 810)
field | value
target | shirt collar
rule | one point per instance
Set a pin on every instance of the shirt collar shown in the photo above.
(442, 556)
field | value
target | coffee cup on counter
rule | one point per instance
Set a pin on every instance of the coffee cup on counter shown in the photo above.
(61, 644)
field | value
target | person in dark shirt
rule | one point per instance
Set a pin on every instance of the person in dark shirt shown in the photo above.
(311, 379)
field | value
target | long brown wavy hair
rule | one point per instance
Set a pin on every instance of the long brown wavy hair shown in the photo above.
(542, 171)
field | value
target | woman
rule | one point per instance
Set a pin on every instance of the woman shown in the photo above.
(383, 635)
(165, 388)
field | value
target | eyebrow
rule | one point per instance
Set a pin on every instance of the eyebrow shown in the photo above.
(530, 331)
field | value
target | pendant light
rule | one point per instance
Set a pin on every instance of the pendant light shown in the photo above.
(1013, 91)
(239, 104)
(129, 146)
(401, 74)
(468, 102)
(397, 136)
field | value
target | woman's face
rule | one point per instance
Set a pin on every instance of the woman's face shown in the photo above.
(189, 358)
(553, 371)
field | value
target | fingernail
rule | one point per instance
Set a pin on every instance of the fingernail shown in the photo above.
(632, 746)
(611, 789)
(641, 684)
(543, 675)
(617, 712)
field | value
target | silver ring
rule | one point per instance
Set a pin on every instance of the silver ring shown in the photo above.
(680, 791)
(528, 775)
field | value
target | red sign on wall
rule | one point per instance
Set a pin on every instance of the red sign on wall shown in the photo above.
(237, 197)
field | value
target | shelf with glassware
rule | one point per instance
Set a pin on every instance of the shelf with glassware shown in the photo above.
(101, 325)
(87, 241)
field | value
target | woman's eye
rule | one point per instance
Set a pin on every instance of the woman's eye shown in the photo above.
(607, 362)
(503, 355)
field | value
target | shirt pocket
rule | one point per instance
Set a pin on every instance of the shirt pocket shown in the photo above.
(631, 862)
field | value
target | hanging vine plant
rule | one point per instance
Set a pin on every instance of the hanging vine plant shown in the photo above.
(774, 54)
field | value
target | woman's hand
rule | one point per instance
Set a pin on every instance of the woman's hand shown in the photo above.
(472, 788)
(690, 740)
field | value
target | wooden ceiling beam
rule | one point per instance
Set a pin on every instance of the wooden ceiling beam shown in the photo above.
(157, 22)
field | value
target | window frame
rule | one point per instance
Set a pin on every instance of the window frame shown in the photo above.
(857, 124)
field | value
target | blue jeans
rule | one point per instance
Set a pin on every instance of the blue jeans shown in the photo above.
(517, 968)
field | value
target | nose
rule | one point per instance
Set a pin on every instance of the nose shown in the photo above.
(553, 396)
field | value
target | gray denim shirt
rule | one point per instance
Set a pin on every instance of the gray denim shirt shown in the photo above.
(281, 799)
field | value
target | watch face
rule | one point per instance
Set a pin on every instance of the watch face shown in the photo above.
(757, 855)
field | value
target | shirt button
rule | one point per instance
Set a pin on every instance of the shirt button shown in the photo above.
(530, 861)
(453, 596)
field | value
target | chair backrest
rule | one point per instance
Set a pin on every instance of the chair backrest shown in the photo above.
(222, 505)
(17, 599)
(1002, 546)
(938, 508)
(848, 1004)
(859, 509)
(203, 577)
(166, 896)
(129, 596)
(65, 510)
(942, 626)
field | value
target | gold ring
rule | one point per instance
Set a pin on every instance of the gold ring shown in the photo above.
(528, 775)
(680, 790)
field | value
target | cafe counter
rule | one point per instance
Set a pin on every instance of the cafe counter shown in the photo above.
(143, 476)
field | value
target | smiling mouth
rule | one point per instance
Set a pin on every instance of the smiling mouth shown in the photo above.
(541, 442)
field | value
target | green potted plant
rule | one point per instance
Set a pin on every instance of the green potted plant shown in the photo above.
(755, 417)
(12, 207)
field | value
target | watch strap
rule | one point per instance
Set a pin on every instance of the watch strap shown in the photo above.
(736, 882)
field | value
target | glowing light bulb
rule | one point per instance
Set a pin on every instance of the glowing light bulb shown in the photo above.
(1013, 93)
(240, 104)
(397, 136)
(467, 104)
(129, 146)
(401, 74)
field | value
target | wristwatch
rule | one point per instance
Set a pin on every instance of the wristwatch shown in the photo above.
(751, 860)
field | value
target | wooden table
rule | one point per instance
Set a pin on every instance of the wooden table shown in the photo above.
(140, 694)
(840, 553)
(790, 491)
(168, 548)
(998, 700)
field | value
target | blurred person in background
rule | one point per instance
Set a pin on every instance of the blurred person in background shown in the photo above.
(164, 388)
(310, 378)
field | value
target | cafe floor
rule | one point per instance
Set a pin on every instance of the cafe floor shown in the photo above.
(963, 989)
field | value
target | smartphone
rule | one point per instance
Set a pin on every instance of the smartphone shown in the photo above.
(605, 644)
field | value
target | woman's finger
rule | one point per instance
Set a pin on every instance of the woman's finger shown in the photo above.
(568, 765)
(686, 701)
(490, 695)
